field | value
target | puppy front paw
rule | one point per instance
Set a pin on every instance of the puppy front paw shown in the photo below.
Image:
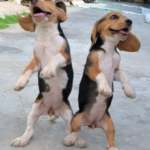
(21, 83)
(129, 91)
(47, 73)
(105, 90)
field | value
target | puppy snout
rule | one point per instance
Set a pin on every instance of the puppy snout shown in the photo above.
(129, 22)
(34, 1)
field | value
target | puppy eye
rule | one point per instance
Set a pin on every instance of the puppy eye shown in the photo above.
(114, 17)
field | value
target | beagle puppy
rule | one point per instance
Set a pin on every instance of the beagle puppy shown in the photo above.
(52, 61)
(101, 69)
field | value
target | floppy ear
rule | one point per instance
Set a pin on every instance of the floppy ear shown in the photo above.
(62, 15)
(27, 23)
(62, 11)
(61, 5)
(94, 33)
(131, 44)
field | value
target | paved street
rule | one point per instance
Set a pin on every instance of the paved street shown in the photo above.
(131, 117)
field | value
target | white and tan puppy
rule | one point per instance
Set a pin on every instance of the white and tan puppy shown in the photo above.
(52, 61)
(101, 69)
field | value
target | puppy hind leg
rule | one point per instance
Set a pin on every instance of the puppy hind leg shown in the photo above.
(67, 114)
(107, 125)
(72, 139)
(33, 116)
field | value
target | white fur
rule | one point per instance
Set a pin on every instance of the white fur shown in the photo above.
(126, 86)
(56, 62)
(103, 86)
(71, 139)
(108, 62)
(47, 48)
(24, 79)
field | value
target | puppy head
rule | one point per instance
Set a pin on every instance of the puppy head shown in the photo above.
(118, 27)
(42, 11)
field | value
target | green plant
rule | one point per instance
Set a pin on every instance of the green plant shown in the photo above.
(9, 19)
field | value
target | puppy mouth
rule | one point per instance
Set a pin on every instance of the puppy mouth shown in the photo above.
(37, 12)
(124, 31)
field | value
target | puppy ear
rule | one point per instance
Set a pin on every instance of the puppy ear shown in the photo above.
(94, 33)
(27, 23)
(131, 44)
(61, 5)
(62, 11)
(62, 16)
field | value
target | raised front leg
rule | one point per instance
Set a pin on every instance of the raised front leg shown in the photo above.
(57, 61)
(34, 66)
(95, 74)
(126, 86)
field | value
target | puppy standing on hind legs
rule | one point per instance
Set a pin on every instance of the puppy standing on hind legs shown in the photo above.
(101, 69)
(52, 61)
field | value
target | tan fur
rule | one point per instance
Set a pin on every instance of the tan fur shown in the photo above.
(65, 54)
(34, 63)
(102, 26)
(131, 44)
(57, 15)
(27, 23)
(39, 100)
(93, 70)
(116, 70)
(76, 122)
(110, 132)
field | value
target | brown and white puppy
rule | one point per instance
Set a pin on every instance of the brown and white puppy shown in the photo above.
(101, 69)
(52, 61)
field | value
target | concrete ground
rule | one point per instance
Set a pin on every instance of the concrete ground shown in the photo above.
(131, 117)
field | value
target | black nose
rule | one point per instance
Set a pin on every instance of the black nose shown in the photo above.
(34, 1)
(129, 22)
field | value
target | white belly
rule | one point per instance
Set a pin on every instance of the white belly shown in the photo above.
(53, 98)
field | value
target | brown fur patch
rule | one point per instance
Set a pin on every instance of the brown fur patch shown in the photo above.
(110, 132)
(116, 70)
(27, 23)
(131, 44)
(103, 25)
(34, 63)
(65, 53)
(92, 65)
(39, 100)
(76, 122)
(57, 14)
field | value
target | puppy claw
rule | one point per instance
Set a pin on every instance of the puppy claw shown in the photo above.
(80, 143)
(47, 73)
(105, 91)
(21, 83)
(19, 142)
(129, 91)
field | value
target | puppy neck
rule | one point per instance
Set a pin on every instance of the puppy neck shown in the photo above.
(46, 31)
(109, 45)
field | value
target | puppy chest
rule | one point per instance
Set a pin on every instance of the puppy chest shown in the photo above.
(108, 63)
(45, 51)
